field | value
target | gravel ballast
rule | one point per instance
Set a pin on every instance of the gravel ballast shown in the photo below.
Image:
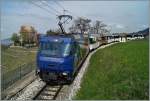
(30, 91)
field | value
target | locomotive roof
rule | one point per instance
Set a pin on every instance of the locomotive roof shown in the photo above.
(55, 38)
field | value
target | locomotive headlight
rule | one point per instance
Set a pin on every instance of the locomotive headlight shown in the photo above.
(64, 73)
(37, 71)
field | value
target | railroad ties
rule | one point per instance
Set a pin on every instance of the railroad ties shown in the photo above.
(48, 93)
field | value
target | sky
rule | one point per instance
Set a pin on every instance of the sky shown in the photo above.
(119, 16)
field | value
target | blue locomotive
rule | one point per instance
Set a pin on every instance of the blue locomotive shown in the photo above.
(60, 56)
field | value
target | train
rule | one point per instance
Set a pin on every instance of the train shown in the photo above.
(60, 57)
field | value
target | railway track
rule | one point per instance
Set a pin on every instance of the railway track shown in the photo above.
(48, 92)
(14, 94)
(45, 91)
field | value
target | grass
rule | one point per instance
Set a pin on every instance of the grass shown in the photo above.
(16, 63)
(11, 58)
(120, 71)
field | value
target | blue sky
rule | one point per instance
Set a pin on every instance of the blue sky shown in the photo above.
(120, 16)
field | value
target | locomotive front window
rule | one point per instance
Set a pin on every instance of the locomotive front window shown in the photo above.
(55, 49)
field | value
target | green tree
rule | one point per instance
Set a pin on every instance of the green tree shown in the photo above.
(15, 38)
(50, 32)
(25, 37)
(53, 32)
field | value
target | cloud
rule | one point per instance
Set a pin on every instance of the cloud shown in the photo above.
(119, 26)
(116, 25)
(144, 26)
(120, 16)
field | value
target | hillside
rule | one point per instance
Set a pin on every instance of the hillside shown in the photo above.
(144, 32)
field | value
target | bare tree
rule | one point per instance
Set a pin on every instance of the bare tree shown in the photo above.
(80, 25)
(99, 27)
(73, 29)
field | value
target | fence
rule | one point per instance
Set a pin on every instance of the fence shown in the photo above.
(11, 77)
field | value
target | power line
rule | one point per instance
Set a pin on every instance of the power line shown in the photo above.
(42, 8)
(62, 7)
(34, 15)
(65, 9)
(59, 4)
(44, 3)
(52, 8)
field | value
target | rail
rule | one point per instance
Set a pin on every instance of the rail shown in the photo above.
(48, 92)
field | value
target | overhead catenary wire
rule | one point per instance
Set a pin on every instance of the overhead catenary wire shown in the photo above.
(33, 15)
(45, 8)
(64, 9)
(56, 2)
(46, 4)
(49, 12)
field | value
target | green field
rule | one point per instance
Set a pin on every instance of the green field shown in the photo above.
(11, 58)
(120, 71)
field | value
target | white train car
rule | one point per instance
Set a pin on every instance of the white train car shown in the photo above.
(122, 39)
(93, 42)
(129, 37)
(135, 37)
(140, 36)
(110, 39)
(116, 38)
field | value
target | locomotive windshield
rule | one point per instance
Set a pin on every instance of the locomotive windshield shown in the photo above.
(55, 49)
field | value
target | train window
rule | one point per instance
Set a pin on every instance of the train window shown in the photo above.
(55, 49)
(67, 50)
(92, 40)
